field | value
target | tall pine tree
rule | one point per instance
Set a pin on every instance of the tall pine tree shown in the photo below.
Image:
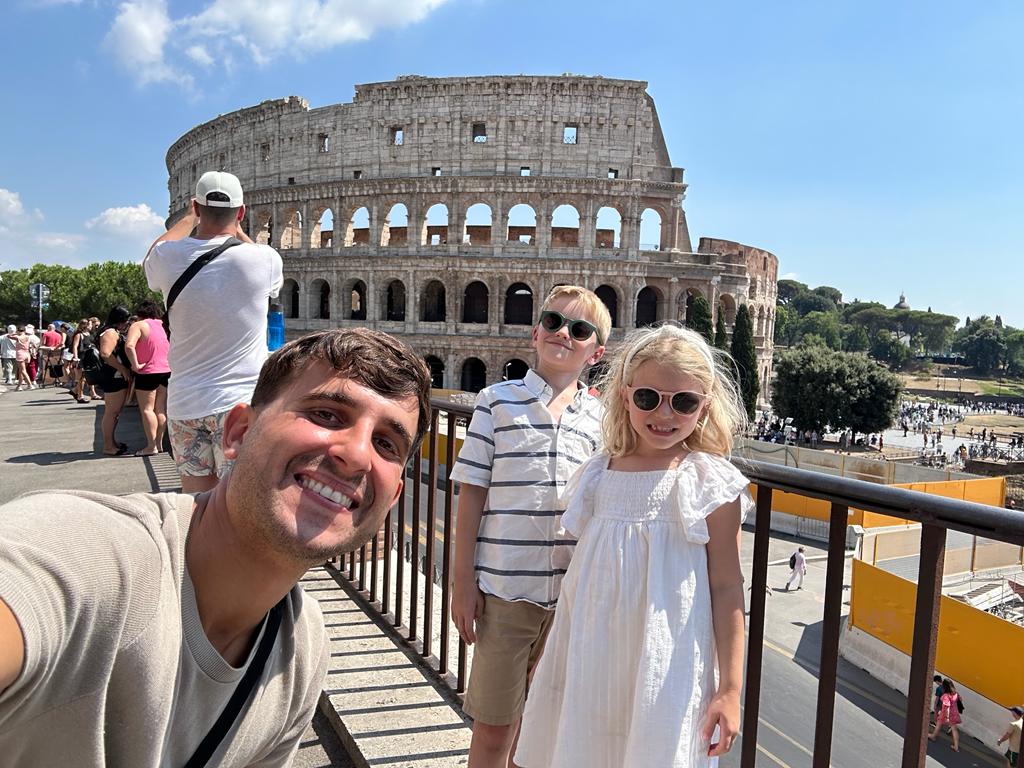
(699, 319)
(721, 337)
(745, 355)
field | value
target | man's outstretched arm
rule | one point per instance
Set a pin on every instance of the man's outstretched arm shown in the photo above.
(12, 647)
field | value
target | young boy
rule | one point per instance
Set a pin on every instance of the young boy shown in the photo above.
(525, 440)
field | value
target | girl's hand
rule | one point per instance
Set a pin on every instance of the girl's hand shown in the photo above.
(467, 606)
(723, 711)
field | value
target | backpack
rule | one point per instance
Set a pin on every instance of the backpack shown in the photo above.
(959, 703)
(90, 360)
(792, 561)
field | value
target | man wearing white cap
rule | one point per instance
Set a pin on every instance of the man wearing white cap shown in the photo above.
(218, 323)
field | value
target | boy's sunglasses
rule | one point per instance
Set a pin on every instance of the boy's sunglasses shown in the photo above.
(683, 403)
(580, 330)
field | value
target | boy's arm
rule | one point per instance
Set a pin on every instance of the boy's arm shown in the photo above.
(467, 599)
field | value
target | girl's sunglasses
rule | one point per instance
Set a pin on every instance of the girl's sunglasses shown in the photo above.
(580, 330)
(683, 403)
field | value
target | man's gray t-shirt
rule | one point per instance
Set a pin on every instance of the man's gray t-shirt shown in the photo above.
(118, 670)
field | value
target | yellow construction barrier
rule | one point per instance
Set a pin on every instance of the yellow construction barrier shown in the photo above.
(975, 648)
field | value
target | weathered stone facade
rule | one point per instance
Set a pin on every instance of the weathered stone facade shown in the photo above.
(513, 162)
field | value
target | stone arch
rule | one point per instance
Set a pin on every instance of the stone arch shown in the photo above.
(565, 226)
(290, 299)
(319, 300)
(323, 230)
(433, 302)
(436, 366)
(357, 301)
(264, 228)
(684, 303)
(728, 304)
(652, 229)
(291, 235)
(609, 228)
(518, 305)
(474, 375)
(649, 306)
(610, 297)
(521, 224)
(358, 227)
(395, 232)
(435, 225)
(514, 368)
(474, 302)
(761, 324)
(479, 218)
(393, 305)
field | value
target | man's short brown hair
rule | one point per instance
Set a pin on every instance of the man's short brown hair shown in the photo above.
(373, 359)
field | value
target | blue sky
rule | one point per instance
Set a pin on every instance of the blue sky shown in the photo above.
(873, 146)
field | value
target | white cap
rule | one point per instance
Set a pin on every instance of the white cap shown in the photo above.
(12, 329)
(223, 182)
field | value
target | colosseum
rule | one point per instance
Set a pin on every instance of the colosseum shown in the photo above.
(444, 209)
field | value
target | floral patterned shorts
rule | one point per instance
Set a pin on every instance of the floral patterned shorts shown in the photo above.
(198, 445)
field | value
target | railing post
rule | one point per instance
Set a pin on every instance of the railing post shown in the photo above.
(446, 554)
(414, 572)
(428, 565)
(829, 661)
(922, 653)
(755, 641)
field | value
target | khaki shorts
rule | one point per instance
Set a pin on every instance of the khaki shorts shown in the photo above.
(509, 639)
(198, 445)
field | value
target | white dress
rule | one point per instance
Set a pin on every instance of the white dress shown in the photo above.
(629, 666)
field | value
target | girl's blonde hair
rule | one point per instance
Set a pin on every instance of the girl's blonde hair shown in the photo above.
(687, 352)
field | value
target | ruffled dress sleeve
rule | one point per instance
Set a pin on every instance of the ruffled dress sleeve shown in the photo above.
(577, 497)
(704, 482)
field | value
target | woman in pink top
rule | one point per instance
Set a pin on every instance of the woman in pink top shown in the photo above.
(146, 347)
(948, 714)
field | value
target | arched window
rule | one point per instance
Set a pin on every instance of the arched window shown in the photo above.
(514, 369)
(474, 303)
(686, 300)
(290, 299)
(433, 302)
(358, 301)
(729, 305)
(264, 229)
(323, 230)
(609, 229)
(358, 228)
(396, 227)
(522, 225)
(436, 371)
(565, 227)
(394, 301)
(478, 225)
(650, 230)
(320, 295)
(519, 304)
(646, 307)
(474, 375)
(437, 225)
(611, 300)
(291, 237)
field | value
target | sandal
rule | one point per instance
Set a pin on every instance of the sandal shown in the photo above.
(82, 399)
(142, 452)
(122, 449)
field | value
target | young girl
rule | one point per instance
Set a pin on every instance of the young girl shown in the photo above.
(948, 714)
(644, 662)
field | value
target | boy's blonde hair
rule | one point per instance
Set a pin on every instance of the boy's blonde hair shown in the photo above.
(596, 310)
(687, 352)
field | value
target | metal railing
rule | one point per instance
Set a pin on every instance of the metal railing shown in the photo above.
(410, 607)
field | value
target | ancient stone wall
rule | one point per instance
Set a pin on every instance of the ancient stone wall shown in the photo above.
(444, 210)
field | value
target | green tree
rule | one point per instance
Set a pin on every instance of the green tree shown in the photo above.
(985, 349)
(1014, 351)
(887, 349)
(745, 355)
(699, 319)
(822, 388)
(823, 324)
(721, 336)
(832, 294)
(787, 325)
(787, 290)
(807, 302)
(855, 338)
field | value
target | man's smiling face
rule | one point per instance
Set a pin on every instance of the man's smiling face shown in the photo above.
(320, 465)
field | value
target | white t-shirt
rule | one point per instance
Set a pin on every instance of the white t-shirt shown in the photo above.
(218, 322)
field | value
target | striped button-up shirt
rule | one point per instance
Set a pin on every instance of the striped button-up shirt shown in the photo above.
(523, 458)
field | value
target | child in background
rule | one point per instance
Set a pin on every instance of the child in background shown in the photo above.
(652, 603)
(524, 442)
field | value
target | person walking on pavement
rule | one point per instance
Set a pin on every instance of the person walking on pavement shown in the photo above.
(1012, 738)
(949, 714)
(798, 566)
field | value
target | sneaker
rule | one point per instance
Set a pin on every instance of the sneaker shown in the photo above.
(33, 385)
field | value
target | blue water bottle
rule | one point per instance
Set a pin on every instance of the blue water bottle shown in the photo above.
(275, 328)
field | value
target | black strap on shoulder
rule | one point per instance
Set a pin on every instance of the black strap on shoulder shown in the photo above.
(241, 693)
(186, 277)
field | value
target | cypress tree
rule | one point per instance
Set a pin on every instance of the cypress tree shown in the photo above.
(721, 338)
(745, 355)
(699, 319)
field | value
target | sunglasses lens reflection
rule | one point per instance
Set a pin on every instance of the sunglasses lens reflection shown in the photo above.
(646, 399)
(685, 402)
(551, 321)
(580, 330)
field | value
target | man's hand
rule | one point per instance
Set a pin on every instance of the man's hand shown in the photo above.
(467, 607)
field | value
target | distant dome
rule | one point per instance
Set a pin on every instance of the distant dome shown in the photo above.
(902, 303)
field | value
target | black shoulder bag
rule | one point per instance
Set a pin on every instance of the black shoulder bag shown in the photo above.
(234, 706)
(186, 277)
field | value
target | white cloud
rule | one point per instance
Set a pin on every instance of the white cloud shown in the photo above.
(137, 38)
(199, 55)
(790, 276)
(11, 209)
(133, 221)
